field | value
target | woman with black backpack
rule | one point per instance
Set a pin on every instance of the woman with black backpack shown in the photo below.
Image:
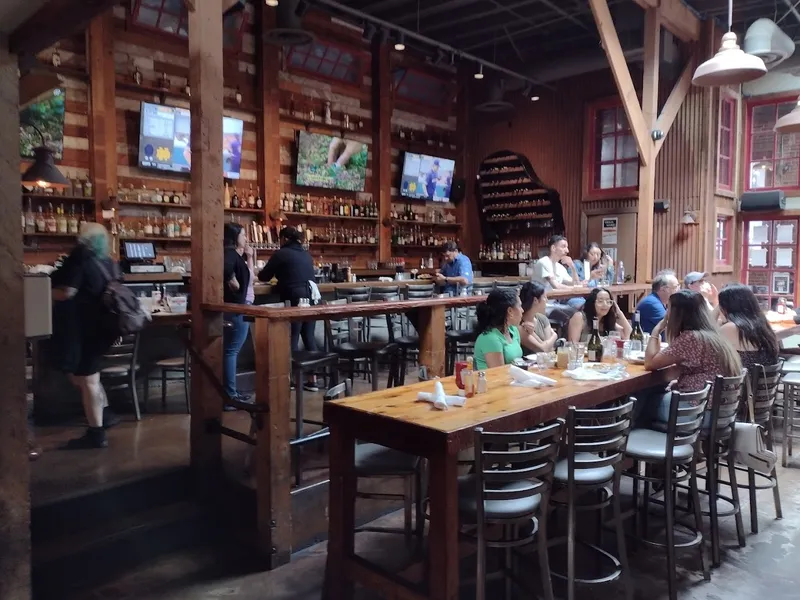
(82, 335)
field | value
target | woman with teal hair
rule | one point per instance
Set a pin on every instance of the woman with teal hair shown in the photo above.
(78, 333)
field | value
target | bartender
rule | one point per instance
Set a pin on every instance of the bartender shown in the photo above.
(456, 272)
(293, 267)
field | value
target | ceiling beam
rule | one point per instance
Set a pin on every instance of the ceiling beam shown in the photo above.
(676, 17)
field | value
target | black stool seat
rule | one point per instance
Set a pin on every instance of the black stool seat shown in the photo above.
(407, 341)
(365, 349)
(309, 360)
(467, 335)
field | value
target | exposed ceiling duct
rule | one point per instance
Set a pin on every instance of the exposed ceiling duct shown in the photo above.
(767, 41)
(288, 25)
(495, 102)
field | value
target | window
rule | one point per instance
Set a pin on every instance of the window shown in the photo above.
(415, 86)
(725, 160)
(773, 159)
(722, 241)
(171, 16)
(329, 61)
(614, 155)
(770, 258)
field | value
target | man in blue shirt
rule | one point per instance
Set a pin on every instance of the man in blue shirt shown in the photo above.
(456, 272)
(653, 308)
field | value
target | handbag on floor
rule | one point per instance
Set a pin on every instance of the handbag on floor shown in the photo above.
(749, 448)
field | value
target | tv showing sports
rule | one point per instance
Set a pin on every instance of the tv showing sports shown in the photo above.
(46, 115)
(164, 142)
(427, 177)
(331, 162)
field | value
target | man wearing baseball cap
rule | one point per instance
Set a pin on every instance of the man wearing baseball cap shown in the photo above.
(696, 281)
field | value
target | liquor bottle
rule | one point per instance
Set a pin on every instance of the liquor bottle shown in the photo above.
(621, 273)
(259, 200)
(170, 227)
(308, 203)
(157, 197)
(156, 227)
(30, 219)
(227, 199)
(148, 227)
(50, 223)
(595, 345)
(341, 208)
(637, 335)
(87, 188)
(82, 219)
(77, 187)
(355, 212)
(184, 228)
(235, 199)
(176, 199)
(61, 220)
(41, 223)
(251, 199)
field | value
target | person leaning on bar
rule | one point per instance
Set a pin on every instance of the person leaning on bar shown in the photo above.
(293, 267)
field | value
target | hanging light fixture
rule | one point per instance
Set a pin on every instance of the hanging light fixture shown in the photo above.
(43, 172)
(730, 65)
(272, 3)
(479, 74)
(790, 123)
(400, 44)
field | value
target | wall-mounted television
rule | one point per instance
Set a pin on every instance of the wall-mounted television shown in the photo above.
(47, 115)
(427, 177)
(164, 140)
(331, 162)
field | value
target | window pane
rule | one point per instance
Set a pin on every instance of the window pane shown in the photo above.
(622, 120)
(626, 147)
(760, 175)
(606, 120)
(147, 17)
(726, 114)
(724, 175)
(788, 146)
(312, 64)
(318, 50)
(175, 7)
(757, 257)
(785, 108)
(763, 118)
(296, 59)
(762, 146)
(758, 232)
(326, 68)
(606, 148)
(340, 72)
(758, 281)
(168, 23)
(604, 177)
(153, 3)
(783, 283)
(786, 173)
(783, 257)
(332, 54)
(785, 232)
(627, 174)
(725, 142)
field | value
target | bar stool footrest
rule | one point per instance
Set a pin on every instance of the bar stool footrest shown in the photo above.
(616, 574)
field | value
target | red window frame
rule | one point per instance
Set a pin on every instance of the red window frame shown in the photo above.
(302, 58)
(781, 106)
(754, 275)
(593, 162)
(727, 126)
(418, 87)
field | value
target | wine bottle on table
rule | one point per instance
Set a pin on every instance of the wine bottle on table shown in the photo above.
(595, 345)
(637, 335)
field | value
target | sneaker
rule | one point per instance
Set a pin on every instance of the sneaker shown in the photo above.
(311, 387)
(110, 418)
(245, 398)
(95, 437)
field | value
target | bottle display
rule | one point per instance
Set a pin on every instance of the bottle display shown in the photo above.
(637, 335)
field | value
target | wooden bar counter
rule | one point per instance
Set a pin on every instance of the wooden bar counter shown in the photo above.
(394, 418)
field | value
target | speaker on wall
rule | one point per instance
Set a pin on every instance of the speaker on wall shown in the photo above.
(458, 189)
(770, 200)
(661, 206)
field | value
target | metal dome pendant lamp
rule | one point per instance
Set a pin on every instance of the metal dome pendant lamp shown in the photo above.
(789, 123)
(730, 65)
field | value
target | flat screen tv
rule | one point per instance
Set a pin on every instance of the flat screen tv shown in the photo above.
(331, 162)
(47, 115)
(164, 140)
(427, 177)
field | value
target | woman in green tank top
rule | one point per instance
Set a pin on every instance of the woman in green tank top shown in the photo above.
(498, 340)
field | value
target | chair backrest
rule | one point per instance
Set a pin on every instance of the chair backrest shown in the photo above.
(349, 291)
(336, 330)
(378, 293)
(353, 298)
(482, 289)
(686, 413)
(764, 382)
(526, 458)
(124, 351)
(601, 432)
(344, 389)
(507, 286)
(726, 396)
(273, 305)
(420, 291)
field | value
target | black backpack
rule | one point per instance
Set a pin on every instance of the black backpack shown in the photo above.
(124, 315)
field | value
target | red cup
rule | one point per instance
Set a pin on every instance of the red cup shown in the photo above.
(460, 366)
(620, 348)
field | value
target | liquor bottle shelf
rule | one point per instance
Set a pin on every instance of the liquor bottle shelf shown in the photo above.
(329, 217)
(170, 206)
(49, 234)
(57, 198)
(151, 238)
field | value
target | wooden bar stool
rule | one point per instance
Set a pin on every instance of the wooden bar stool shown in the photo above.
(120, 368)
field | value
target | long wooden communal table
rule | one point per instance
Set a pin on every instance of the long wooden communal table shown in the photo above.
(394, 418)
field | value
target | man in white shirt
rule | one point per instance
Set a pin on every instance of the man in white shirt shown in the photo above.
(556, 270)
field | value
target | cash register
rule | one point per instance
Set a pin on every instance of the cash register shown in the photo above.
(139, 257)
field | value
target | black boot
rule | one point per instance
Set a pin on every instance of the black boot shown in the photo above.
(95, 437)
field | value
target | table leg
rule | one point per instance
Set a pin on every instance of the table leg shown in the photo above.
(272, 457)
(431, 339)
(443, 535)
(341, 513)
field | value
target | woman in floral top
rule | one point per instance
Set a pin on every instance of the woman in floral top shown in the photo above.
(696, 346)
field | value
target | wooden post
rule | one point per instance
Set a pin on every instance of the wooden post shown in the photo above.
(382, 141)
(466, 211)
(205, 77)
(15, 515)
(431, 340)
(269, 132)
(102, 109)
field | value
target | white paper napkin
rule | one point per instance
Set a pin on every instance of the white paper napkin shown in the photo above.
(439, 399)
(528, 379)
(583, 374)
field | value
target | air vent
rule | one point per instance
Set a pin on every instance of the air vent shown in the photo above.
(288, 25)
(495, 103)
(767, 41)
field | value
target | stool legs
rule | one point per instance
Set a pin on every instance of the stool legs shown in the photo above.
(737, 505)
(298, 425)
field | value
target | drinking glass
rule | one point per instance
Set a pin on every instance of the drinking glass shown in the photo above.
(543, 360)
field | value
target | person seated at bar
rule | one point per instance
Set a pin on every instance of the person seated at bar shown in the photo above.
(293, 267)
(236, 275)
(744, 325)
(456, 272)
(653, 307)
(556, 271)
(696, 346)
(696, 282)
(599, 305)
(601, 266)
(537, 333)
(498, 341)
(78, 288)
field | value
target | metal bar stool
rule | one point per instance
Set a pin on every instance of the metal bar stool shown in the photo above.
(791, 412)
(595, 446)
(408, 342)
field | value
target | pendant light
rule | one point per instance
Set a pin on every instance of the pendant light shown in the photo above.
(790, 123)
(43, 172)
(730, 65)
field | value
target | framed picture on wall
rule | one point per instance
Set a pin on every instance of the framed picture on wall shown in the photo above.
(780, 283)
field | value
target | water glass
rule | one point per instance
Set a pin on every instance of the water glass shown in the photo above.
(543, 360)
(635, 346)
